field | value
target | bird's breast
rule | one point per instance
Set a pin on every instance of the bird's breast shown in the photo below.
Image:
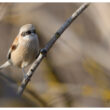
(26, 52)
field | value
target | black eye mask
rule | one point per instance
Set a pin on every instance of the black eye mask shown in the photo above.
(28, 33)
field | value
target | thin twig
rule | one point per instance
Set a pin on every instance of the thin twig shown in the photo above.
(48, 46)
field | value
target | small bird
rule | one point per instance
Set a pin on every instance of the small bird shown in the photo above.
(25, 48)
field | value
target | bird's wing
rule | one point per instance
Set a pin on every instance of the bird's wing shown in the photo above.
(13, 47)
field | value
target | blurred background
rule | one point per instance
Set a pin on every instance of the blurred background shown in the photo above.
(76, 71)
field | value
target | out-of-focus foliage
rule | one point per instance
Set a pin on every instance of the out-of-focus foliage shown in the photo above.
(76, 71)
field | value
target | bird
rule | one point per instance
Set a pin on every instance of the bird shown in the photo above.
(24, 49)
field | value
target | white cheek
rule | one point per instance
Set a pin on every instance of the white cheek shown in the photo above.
(30, 37)
(27, 37)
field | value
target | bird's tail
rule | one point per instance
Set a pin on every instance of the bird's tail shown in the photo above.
(6, 64)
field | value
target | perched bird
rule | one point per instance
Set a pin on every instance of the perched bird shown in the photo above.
(24, 49)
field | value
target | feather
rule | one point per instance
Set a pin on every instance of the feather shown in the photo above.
(6, 64)
(12, 48)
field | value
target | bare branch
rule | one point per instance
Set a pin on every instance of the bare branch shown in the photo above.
(48, 46)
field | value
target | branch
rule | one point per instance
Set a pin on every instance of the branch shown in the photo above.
(48, 46)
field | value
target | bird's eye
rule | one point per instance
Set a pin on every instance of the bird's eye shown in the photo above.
(28, 32)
